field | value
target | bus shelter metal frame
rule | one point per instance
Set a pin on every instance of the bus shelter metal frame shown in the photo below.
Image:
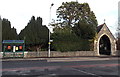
(13, 53)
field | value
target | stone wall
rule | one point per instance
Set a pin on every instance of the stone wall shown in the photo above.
(59, 54)
(117, 53)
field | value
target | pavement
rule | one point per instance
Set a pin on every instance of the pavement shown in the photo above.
(62, 59)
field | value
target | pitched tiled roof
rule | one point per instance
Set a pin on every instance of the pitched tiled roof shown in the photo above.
(100, 27)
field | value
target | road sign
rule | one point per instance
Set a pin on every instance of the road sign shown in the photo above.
(51, 40)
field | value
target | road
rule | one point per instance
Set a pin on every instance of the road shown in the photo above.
(43, 68)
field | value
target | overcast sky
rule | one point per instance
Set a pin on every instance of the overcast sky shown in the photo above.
(19, 12)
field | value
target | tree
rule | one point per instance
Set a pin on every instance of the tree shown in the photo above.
(80, 17)
(76, 27)
(35, 34)
(85, 30)
(70, 13)
(66, 40)
(8, 33)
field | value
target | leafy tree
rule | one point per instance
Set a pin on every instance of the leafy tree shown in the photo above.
(85, 30)
(70, 13)
(75, 28)
(80, 17)
(35, 34)
(8, 33)
(66, 40)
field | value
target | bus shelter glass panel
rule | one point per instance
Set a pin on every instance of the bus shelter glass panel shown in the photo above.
(13, 48)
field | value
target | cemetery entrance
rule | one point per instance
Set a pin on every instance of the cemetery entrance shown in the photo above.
(104, 46)
(105, 42)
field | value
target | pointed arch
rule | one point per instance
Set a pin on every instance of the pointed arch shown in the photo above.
(104, 45)
(105, 34)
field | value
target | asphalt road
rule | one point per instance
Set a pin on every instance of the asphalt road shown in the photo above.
(42, 68)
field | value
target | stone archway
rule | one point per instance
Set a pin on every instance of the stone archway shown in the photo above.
(109, 42)
(104, 45)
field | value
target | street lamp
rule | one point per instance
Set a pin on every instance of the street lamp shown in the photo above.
(49, 32)
(0, 34)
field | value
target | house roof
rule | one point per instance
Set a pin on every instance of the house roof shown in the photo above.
(99, 27)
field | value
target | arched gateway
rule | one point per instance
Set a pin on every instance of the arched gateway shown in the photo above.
(105, 43)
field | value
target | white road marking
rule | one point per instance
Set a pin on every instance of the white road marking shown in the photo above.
(52, 74)
(87, 72)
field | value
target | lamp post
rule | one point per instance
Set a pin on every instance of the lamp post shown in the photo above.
(0, 34)
(49, 32)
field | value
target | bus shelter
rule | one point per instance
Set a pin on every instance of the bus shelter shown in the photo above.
(13, 48)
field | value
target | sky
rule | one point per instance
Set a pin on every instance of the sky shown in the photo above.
(19, 12)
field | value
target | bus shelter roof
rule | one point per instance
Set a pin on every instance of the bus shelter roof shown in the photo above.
(12, 41)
